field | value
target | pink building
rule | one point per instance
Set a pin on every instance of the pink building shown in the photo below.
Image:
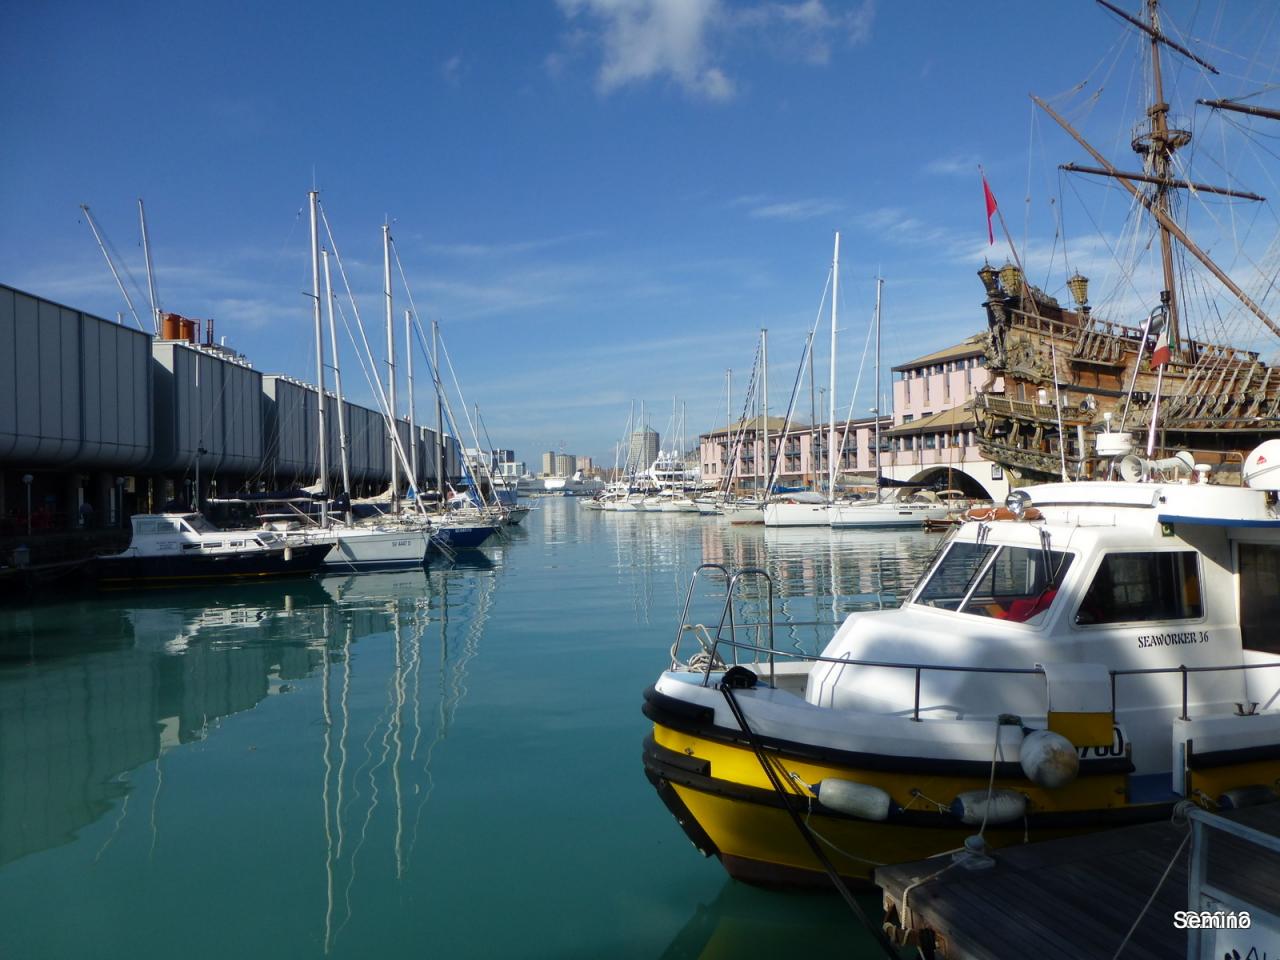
(803, 450)
(934, 428)
(931, 436)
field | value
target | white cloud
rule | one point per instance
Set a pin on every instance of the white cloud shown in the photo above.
(684, 41)
(954, 165)
(794, 210)
(806, 30)
(451, 70)
(646, 39)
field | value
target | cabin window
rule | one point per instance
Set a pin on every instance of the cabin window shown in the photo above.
(953, 575)
(1259, 601)
(1006, 583)
(1136, 587)
(200, 524)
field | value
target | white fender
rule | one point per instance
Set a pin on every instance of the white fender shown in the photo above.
(1049, 759)
(853, 798)
(1004, 806)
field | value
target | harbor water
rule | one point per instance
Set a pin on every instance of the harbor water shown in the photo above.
(444, 762)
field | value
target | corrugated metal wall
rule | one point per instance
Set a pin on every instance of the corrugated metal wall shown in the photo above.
(83, 392)
(205, 401)
(74, 388)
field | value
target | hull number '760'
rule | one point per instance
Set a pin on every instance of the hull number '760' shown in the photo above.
(1115, 748)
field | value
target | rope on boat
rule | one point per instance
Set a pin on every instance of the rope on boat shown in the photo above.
(877, 933)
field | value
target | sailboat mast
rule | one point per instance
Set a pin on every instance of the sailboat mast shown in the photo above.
(314, 198)
(391, 362)
(764, 367)
(413, 423)
(831, 388)
(344, 455)
(879, 469)
(151, 273)
(435, 366)
(813, 423)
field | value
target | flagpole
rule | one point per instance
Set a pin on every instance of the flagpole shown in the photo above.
(1155, 412)
(1004, 227)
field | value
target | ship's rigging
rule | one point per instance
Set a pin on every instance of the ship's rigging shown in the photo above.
(1215, 398)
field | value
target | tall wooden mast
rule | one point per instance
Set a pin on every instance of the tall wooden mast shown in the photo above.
(1157, 141)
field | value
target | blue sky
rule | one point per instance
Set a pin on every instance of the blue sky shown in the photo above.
(601, 200)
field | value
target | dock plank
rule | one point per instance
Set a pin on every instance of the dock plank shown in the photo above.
(1075, 897)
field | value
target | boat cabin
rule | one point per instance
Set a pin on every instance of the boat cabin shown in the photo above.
(1150, 601)
(179, 534)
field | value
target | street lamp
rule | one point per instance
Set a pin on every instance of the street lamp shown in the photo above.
(27, 478)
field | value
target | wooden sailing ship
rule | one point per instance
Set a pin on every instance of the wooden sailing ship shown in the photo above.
(1061, 375)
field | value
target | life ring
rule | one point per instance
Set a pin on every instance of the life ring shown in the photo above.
(1001, 513)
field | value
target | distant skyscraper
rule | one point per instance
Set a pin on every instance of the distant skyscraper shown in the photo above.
(549, 463)
(644, 449)
(585, 464)
(566, 464)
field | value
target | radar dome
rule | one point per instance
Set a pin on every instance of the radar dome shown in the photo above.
(1262, 467)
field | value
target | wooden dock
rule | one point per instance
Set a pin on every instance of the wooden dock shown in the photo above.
(1069, 898)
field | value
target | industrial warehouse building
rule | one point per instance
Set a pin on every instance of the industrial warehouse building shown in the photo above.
(94, 412)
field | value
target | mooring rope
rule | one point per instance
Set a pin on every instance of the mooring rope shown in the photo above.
(878, 934)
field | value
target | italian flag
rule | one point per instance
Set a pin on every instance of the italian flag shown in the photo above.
(1160, 355)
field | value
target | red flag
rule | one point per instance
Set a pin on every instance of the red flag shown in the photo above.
(991, 208)
(1160, 355)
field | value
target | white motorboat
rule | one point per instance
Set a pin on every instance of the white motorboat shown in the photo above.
(174, 548)
(1087, 656)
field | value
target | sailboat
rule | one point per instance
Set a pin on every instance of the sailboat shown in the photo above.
(353, 547)
(1063, 375)
(885, 510)
(810, 510)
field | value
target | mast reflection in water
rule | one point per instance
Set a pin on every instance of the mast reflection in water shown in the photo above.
(388, 764)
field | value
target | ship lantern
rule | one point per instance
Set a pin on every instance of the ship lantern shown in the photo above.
(1079, 287)
(1011, 279)
(990, 280)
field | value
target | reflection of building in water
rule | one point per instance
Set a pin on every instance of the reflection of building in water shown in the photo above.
(76, 720)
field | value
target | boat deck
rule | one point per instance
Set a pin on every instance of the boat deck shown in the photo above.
(1073, 897)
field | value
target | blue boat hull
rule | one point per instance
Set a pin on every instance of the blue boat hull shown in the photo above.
(462, 538)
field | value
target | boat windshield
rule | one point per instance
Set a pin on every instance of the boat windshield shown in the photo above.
(1004, 582)
(199, 524)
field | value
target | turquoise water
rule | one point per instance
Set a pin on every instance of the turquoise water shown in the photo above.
(394, 765)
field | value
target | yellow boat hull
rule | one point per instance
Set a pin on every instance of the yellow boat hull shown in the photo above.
(718, 790)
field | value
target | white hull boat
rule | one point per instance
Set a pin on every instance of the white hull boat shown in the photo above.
(884, 513)
(1089, 655)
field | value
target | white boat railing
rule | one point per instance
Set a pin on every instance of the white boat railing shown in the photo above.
(725, 638)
